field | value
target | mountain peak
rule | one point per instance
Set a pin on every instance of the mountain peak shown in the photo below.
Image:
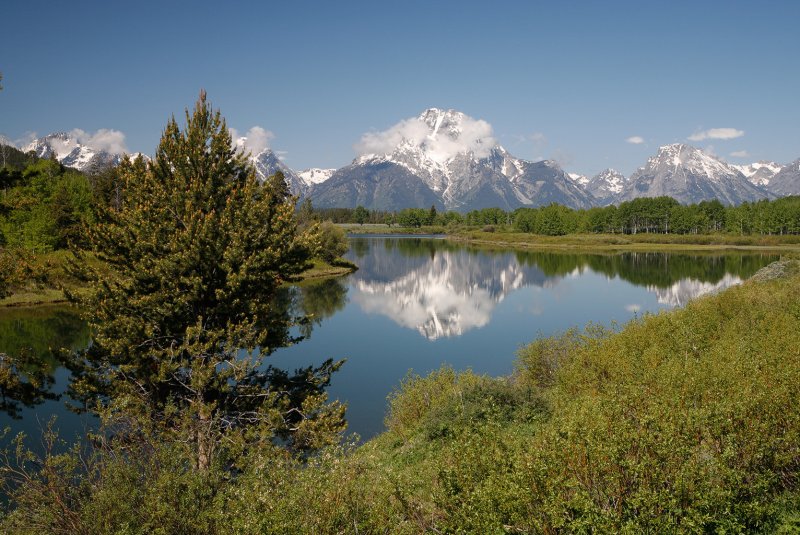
(690, 175)
(73, 150)
(438, 119)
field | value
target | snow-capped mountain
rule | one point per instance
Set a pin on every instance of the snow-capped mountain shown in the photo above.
(579, 179)
(267, 163)
(315, 176)
(72, 153)
(684, 290)
(605, 186)
(787, 180)
(759, 173)
(689, 175)
(446, 159)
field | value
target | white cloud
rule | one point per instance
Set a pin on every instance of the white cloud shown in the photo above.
(635, 140)
(26, 139)
(716, 133)
(474, 135)
(62, 148)
(633, 309)
(740, 154)
(255, 141)
(538, 138)
(105, 139)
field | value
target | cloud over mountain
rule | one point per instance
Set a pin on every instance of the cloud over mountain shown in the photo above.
(472, 136)
(255, 141)
(716, 133)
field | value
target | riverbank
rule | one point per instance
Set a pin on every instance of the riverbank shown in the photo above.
(630, 242)
(679, 422)
(592, 242)
(46, 278)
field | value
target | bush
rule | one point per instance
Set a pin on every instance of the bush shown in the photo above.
(333, 242)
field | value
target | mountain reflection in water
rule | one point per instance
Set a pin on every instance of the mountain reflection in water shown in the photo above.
(443, 290)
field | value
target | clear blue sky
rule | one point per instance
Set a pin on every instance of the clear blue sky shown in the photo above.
(564, 80)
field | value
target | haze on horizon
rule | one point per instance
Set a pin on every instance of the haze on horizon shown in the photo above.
(590, 86)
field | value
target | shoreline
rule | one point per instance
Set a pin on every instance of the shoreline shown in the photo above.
(45, 297)
(571, 243)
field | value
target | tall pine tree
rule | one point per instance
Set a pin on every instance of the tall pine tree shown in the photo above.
(185, 306)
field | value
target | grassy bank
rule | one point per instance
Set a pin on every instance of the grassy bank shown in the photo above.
(373, 228)
(45, 276)
(593, 242)
(687, 421)
(623, 242)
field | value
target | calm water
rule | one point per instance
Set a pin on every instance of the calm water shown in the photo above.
(417, 303)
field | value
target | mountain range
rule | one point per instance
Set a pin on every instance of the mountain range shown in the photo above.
(68, 150)
(446, 159)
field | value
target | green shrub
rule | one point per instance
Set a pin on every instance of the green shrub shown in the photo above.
(333, 242)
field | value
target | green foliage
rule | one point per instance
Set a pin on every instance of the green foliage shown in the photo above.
(193, 259)
(15, 269)
(332, 242)
(685, 421)
(413, 217)
(45, 206)
(486, 216)
(360, 215)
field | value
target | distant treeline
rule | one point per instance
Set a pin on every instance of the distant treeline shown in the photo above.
(44, 207)
(662, 215)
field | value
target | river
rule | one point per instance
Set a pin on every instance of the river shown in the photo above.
(416, 303)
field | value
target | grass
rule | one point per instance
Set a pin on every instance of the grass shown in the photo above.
(376, 228)
(48, 275)
(684, 421)
(591, 242)
(629, 242)
(323, 270)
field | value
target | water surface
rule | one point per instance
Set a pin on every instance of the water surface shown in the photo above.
(418, 303)
(415, 303)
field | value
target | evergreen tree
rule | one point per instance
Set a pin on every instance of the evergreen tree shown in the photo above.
(185, 306)
(360, 215)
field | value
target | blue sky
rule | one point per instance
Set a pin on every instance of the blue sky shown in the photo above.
(565, 80)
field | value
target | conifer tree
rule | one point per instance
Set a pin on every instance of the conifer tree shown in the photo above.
(184, 308)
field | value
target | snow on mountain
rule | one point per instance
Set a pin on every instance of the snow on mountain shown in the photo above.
(68, 149)
(267, 164)
(581, 180)
(684, 290)
(315, 175)
(787, 180)
(443, 295)
(606, 186)
(759, 173)
(690, 176)
(451, 159)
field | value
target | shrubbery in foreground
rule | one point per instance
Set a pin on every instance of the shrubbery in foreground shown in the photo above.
(686, 421)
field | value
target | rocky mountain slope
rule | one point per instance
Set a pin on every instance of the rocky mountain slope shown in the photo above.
(690, 175)
(68, 150)
(786, 181)
(759, 173)
(446, 159)
(606, 186)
